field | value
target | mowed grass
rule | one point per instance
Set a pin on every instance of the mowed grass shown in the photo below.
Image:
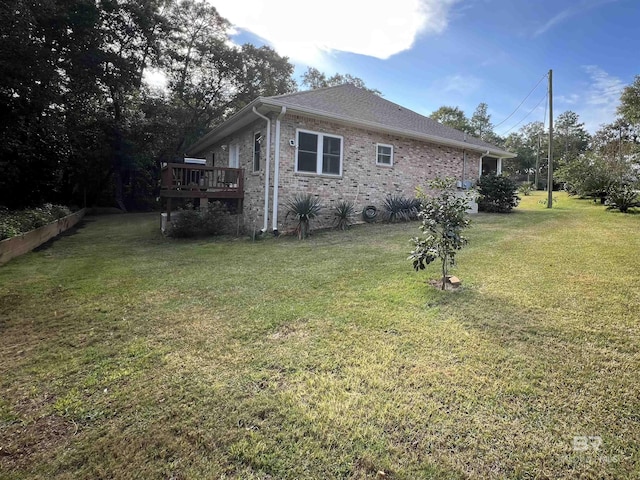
(127, 355)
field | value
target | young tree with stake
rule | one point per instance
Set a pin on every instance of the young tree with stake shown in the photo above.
(444, 217)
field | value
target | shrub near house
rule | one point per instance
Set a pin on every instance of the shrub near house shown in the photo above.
(215, 219)
(497, 194)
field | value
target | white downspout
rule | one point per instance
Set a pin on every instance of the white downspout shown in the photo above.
(464, 161)
(267, 171)
(464, 166)
(276, 172)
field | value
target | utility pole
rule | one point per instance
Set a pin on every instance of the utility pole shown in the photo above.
(536, 179)
(550, 172)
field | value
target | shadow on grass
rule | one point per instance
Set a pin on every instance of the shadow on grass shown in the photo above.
(67, 233)
(631, 211)
(540, 333)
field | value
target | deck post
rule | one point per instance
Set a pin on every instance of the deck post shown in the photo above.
(168, 209)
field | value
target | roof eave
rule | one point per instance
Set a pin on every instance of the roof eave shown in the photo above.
(224, 129)
(495, 152)
(229, 126)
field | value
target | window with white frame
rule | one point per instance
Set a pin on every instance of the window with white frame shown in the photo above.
(319, 153)
(384, 154)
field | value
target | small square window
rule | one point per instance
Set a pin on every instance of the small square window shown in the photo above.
(384, 155)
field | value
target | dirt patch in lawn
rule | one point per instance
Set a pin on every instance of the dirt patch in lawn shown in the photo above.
(24, 443)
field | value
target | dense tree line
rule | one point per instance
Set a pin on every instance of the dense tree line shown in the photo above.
(604, 165)
(610, 168)
(479, 125)
(530, 142)
(314, 78)
(79, 124)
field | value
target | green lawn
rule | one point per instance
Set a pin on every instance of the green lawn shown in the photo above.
(127, 355)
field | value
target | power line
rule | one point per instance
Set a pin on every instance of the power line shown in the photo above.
(546, 95)
(525, 99)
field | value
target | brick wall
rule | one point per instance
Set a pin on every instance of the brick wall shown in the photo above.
(253, 209)
(362, 181)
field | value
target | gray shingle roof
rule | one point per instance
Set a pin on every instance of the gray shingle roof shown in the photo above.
(349, 102)
(352, 105)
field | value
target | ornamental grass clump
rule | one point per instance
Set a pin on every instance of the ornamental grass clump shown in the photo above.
(526, 188)
(444, 216)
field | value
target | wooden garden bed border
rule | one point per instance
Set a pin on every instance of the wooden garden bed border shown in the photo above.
(21, 244)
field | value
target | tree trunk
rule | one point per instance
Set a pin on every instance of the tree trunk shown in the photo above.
(119, 189)
(444, 272)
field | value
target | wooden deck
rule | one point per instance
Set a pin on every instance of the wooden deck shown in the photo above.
(183, 180)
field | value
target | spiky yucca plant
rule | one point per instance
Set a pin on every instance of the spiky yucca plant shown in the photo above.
(622, 197)
(304, 208)
(343, 212)
(401, 209)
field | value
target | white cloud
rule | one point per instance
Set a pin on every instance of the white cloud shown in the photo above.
(455, 90)
(461, 85)
(308, 32)
(605, 89)
(572, 11)
(601, 98)
(570, 99)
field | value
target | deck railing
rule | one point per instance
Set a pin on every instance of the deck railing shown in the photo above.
(178, 179)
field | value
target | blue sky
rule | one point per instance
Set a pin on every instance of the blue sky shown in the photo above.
(427, 53)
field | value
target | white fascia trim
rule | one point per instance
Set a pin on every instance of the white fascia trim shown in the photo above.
(226, 128)
(396, 131)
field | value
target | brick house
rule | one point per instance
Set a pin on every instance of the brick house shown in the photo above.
(339, 143)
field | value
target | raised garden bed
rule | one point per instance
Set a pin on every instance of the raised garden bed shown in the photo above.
(21, 244)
